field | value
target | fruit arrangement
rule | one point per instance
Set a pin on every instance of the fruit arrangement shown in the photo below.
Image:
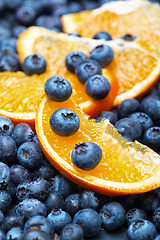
(79, 120)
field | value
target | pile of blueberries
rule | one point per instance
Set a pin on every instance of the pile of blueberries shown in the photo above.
(37, 202)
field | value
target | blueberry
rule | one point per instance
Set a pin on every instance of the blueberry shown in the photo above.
(72, 204)
(134, 214)
(144, 120)
(113, 216)
(29, 155)
(54, 201)
(128, 107)
(5, 201)
(8, 149)
(142, 230)
(9, 63)
(73, 59)
(97, 87)
(58, 219)
(89, 5)
(26, 15)
(2, 7)
(128, 37)
(31, 207)
(151, 106)
(155, 204)
(13, 4)
(19, 174)
(71, 231)
(49, 22)
(39, 222)
(6, 126)
(14, 233)
(2, 235)
(4, 33)
(156, 218)
(86, 155)
(61, 10)
(75, 7)
(18, 29)
(146, 200)
(34, 64)
(36, 234)
(45, 171)
(21, 190)
(89, 220)
(88, 200)
(74, 34)
(158, 237)
(58, 89)
(151, 138)
(111, 116)
(86, 69)
(11, 222)
(4, 175)
(103, 35)
(1, 218)
(64, 122)
(129, 129)
(103, 54)
(9, 46)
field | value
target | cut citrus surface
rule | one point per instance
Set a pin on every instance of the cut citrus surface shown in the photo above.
(125, 167)
(135, 64)
(138, 17)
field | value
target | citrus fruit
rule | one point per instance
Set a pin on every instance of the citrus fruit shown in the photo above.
(139, 17)
(125, 167)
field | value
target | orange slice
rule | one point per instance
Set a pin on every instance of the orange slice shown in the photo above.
(125, 167)
(135, 64)
(138, 17)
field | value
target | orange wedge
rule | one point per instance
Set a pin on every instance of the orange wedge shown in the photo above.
(125, 167)
(138, 17)
(136, 65)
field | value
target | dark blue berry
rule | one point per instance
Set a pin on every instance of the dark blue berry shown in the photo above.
(103, 35)
(58, 219)
(142, 230)
(128, 107)
(146, 200)
(75, 7)
(151, 138)
(97, 87)
(9, 46)
(73, 59)
(158, 237)
(88, 200)
(11, 189)
(36, 234)
(89, 220)
(21, 190)
(58, 89)
(19, 174)
(9, 63)
(72, 204)
(74, 34)
(4, 33)
(113, 216)
(22, 133)
(156, 218)
(111, 116)
(151, 106)
(61, 10)
(86, 69)
(2, 235)
(8, 149)
(86, 155)
(4, 175)
(50, 22)
(129, 129)
(13, 4)
(155, 204)
(89, 5)
(54, 201)
(1, 218)
(26, 15)
(14, 233)
(34, 64)
(103, 54)
(5, 201)
(128, 37)
(11, 222)
(6, 126)
(64, 122)
(31, 207)
(18, 29)
(144, 120)
(134, 214)
(71, 231)
(45, 171)
(39, 222)
(29, 155)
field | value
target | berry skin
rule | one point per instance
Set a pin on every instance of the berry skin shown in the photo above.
(128, 37)
(88, 200)
(151, 138)
(151, 106)
(87, 69)
(75, 35)
(45, 171)
(129, 129)
(9, 46)
(54, 201)
(14, 233)
(36, 234)
(58, 89)
(128, 107)
(64, 122)
(71, 231)
(8, 149)
(144, 120)
(21, 191)
(156, 218)
(103, 35)
(111, 116)
(72, 204)
(9, 63)
(158, 237)
(34, 64)
(142, 230)
(86, 156)
(6, 126)
(29, 155)
(18, 29)
(134, 214)
(38, 222)
(2, 235)
(11, 222)
(31, 207)
(19, 174)
(26, 15)
(97, 87)
(58, 219)
(4, 175)
(5, 201)
(73, 59)
(89, 220)
(1, 218)
(103, 54)
(113, 216)
(4, 33)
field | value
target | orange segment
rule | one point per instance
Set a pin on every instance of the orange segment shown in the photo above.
(139, 17)
(125, 168)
